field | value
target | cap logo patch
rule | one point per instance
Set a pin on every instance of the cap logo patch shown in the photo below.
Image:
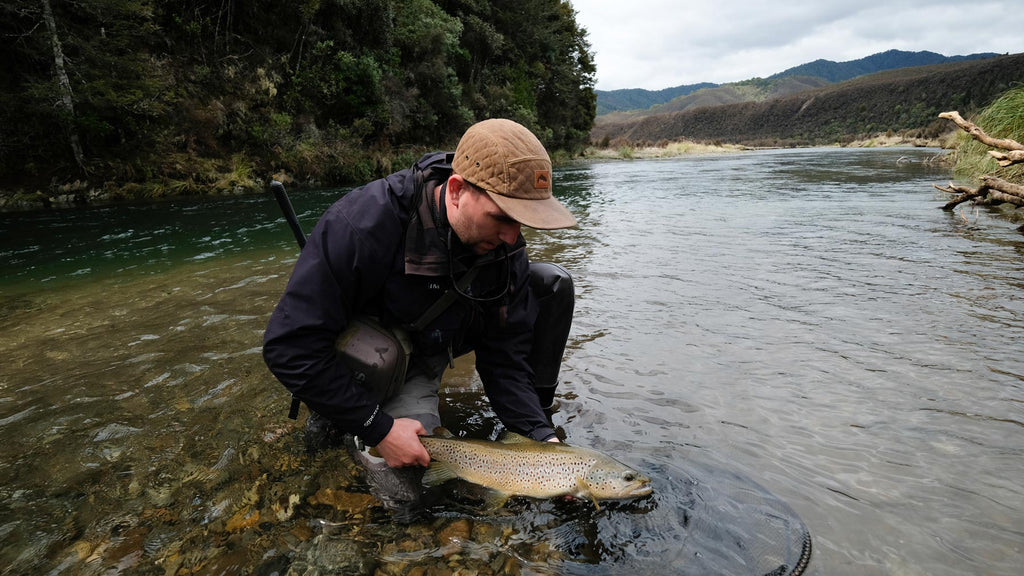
(541, 179)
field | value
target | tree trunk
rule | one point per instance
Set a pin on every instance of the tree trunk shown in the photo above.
(66, 102)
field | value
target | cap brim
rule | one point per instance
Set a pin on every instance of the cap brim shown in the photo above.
(545, 214)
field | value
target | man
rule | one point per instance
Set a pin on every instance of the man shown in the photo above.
(434, 250)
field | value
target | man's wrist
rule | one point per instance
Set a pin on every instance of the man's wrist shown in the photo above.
(377, 427)
(542, 434)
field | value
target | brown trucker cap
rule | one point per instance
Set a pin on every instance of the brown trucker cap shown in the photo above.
(506, 160)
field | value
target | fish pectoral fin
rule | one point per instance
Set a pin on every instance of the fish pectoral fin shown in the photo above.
(438, 473)
(583, 490)
(495, 499)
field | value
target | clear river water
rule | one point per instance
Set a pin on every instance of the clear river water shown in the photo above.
(805, 325)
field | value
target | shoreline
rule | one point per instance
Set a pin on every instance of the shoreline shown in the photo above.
(688, 148)
(79, 194)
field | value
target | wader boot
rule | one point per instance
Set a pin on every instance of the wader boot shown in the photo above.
(553, 290)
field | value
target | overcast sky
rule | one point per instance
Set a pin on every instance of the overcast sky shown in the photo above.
(658, 44)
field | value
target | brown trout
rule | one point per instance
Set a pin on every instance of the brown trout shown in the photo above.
(519, 466)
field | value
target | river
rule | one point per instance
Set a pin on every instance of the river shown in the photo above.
(799, 325)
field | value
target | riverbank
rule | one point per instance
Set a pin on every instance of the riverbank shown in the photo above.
(242, 178)
(688, 147)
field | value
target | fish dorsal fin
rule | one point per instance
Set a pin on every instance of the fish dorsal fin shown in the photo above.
(513, 438)
(438, 473)
(442, 432)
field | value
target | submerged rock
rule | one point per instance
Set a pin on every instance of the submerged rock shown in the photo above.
(350, 503)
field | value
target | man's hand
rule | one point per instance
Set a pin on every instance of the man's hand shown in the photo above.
(401, 447)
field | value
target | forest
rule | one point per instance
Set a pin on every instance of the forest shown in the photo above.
(109, 99)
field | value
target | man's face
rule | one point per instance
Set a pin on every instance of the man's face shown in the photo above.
(478, 222)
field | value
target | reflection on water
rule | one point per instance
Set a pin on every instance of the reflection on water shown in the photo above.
(806, 320)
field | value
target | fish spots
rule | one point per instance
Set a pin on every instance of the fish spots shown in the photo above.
(524, 467)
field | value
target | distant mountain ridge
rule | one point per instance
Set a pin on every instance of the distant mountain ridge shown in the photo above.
(888, 60)
(826, 71)
(904, 102)
(641, 99)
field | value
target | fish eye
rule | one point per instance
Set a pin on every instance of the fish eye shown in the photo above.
(629, 477)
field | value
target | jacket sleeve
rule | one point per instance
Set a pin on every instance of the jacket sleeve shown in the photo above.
(502, 360)
(340, 265)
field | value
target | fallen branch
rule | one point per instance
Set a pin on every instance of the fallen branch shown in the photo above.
(992, 190)
(1002, 191)
(995, 189)
(980, 135)
(1008, 158)
(964, 194)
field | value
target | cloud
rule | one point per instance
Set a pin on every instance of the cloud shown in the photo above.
(660, 43)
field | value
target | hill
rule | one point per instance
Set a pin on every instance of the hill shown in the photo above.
(756, 90)
(814, 74)
(640, 99)
(888, 60)
(906, 100)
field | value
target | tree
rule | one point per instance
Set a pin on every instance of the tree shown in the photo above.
(66, 102)
(530, 61)
(174, 93)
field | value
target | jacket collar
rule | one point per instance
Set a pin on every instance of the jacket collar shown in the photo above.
(426, 240)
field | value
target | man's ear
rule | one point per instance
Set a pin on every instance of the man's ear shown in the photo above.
(456, 187)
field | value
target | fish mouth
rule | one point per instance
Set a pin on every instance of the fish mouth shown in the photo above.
(642, 489)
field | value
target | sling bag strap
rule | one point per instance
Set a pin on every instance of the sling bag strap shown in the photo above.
(429, 315)
(444, 301)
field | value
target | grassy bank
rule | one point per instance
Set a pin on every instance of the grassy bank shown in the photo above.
(625, 151)
(1004, 118)
(664, 150)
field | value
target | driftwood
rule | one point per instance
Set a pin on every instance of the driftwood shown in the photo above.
(978, 134)
(993, 190)
(996, 189)
(1008, 158)
(1004, 191)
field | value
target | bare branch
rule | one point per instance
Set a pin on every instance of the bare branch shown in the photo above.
(1008, 158)
(980, 135)
(992, 190)
(996, 196)
(1003, 186)
(997, 191)
(964, 194)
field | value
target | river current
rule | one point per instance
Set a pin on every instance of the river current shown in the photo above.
(806, 320)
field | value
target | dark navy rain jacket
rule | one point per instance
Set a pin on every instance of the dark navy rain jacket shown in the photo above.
(378, 250)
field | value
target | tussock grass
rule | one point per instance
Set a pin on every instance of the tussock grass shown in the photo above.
(663, 150)
(1004, 118)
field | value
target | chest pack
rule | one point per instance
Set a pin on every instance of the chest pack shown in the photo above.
(376, 355)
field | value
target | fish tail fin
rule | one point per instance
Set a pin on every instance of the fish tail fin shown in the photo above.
(438, 473)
